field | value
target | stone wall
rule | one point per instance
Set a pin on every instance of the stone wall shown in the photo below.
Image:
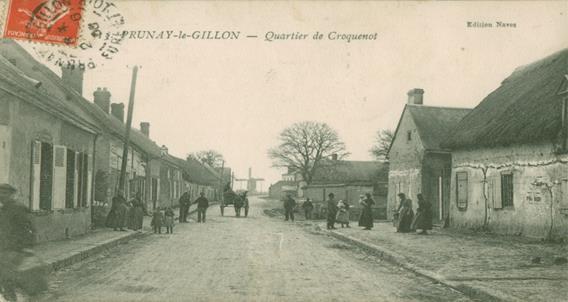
(539, 180)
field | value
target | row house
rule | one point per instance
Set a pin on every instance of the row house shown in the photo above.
(47, 146)
(510, 155)
(64, 153)
(418, 162)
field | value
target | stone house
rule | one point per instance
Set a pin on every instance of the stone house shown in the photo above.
(418, 162)
(47, 146)
(510, 155)
(347, 180)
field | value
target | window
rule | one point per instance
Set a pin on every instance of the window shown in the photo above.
(70, 180)
(507, 190)
(461, 190)
(409, 135)
(46, 176)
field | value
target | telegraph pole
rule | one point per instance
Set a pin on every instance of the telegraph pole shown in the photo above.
(121, 180)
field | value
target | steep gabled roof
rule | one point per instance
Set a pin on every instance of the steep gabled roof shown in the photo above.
(350, 172)
(433, 123)
(198, 173)
(526, 108)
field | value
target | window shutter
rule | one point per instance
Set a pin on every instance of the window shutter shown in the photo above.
(89, 158)
(462, 189)
(36, 176)
(77, 179)
(59, 176)
(497, 201)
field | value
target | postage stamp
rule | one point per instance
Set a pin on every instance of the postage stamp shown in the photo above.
(48, 21)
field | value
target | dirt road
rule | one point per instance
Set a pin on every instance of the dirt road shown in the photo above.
(240, 259)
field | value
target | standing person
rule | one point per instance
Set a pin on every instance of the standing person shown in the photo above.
(308, 209)
(202, 205)
(238, 204)
(405, 214)
(157, 220)
(423, 219)
(289, 205)
(331, 211)
(169, 220)
(246, 203)
(342, 213)
(184, 203)
(137, 211)
(366, 218)
(116, 218)
(16, 237)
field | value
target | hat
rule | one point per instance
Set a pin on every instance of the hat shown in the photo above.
(331, 195)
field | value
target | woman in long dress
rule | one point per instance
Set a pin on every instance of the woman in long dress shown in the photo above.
(136, 215)
(366, 218)
(342, 213)
(405, 215)
(423, 219)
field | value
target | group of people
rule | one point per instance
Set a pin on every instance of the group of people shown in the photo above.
(126, 214)
(406, 221)
(130, 214)
(337, 212)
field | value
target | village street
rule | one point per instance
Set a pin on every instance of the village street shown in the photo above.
(246, 259)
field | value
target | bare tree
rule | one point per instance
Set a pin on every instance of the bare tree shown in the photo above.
(382, 144)
(304, 145)
(210, 157)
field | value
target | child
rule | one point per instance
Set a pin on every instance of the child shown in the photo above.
(343, 213)
(157, 220)
(169, 221)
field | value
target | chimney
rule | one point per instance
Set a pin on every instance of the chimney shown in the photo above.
(73, 77)
(334, 156)
(102, 99)
(416, 96)
(145, 128)
(117, 110)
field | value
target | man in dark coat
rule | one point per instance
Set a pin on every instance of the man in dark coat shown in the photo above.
(238, 204)
(16, 237)
(116, 218)
(202, 205)
(289, 205)
(331, 211)
(308, 207)
(246, 203)
(184, 204)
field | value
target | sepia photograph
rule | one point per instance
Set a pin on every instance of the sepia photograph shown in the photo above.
(171, 150)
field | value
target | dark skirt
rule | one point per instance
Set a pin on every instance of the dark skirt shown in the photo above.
(366, 218)
(422, 221)
(136, 218)
(405, 221)
(117, 217)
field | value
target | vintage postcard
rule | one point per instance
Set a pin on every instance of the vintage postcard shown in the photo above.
(283, 150)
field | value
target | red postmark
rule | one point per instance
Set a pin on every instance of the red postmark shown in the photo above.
(49, 21)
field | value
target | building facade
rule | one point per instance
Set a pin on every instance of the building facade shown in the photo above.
(510, 155)
(47, 147)
(418, 164)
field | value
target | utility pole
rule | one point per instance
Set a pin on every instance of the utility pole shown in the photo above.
(121, 180)
(221, 186)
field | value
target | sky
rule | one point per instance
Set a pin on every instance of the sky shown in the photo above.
(235, 96)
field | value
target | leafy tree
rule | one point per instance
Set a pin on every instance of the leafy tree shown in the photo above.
(304, 145)
(382, 144)
(210, 157)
